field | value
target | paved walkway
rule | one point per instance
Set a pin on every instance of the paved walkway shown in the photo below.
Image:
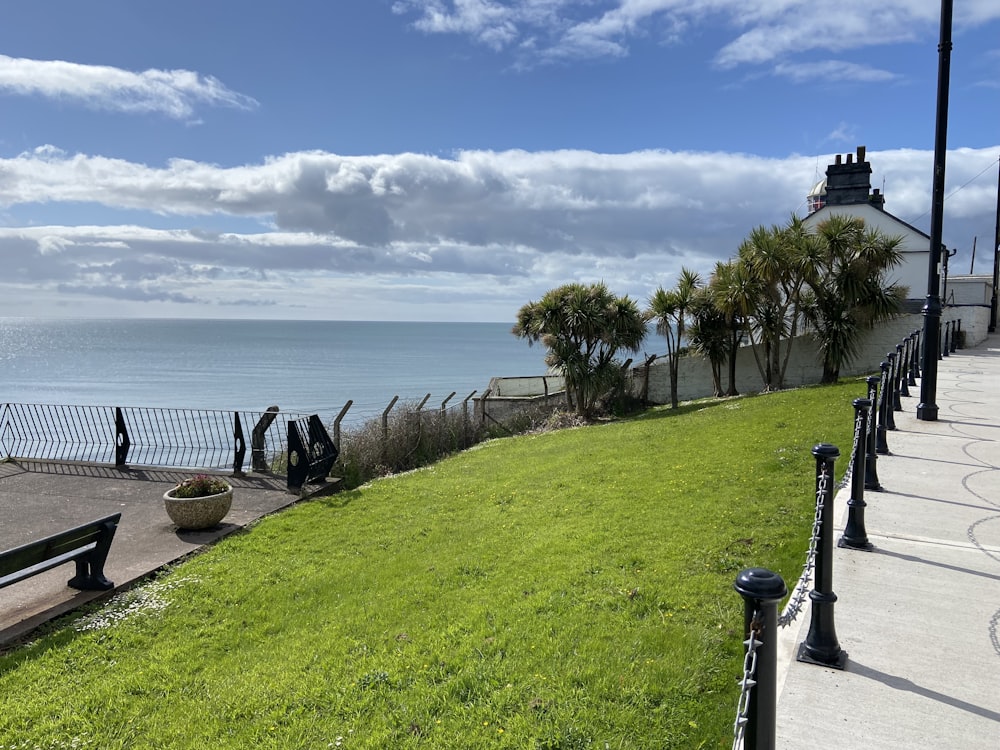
(919, 615)
(38, 498)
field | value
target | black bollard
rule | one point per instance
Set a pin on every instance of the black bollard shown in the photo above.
(855, 535)
(940, 351)
(761, 591)
(916, 354)
(947, 336)
(911, 365)
(881, 446)
(821, 646)
(904, 383)
(871, 468)
(896, 372)
(890, 420)
(956, 327)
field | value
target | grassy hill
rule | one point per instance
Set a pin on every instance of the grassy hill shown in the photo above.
(570, 589)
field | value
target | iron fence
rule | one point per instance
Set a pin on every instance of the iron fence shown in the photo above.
(144, 436)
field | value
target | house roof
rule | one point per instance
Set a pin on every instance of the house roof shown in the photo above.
(851, 209)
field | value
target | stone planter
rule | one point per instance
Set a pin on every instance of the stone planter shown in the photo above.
(198, 512)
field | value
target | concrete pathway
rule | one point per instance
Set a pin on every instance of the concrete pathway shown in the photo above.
(919, 615)
(38, 498)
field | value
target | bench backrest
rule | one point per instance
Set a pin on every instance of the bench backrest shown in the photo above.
(21, 562)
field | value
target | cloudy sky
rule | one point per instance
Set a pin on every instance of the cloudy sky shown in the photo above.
(453, 159)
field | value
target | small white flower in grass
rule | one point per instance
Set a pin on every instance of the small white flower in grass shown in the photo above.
(140, 600)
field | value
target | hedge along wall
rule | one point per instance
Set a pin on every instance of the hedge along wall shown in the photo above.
(804, 365)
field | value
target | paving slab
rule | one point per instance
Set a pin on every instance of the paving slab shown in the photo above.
(918, 616)
(39, 498)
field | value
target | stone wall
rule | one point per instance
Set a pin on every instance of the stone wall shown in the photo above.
(804, 365)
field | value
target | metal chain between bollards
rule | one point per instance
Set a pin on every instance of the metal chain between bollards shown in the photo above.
(799, 594)
(796, 601)
(747, 683)
(850, 464)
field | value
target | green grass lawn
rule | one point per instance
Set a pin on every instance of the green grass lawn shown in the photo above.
(570, 589)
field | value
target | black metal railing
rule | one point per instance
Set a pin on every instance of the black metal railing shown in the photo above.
(144, 436)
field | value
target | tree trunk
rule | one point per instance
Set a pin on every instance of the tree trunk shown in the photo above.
(831, 372)
(733, 352)
(674, 361)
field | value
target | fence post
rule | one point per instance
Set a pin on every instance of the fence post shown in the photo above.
(871, 468)
(385, 429)
(444, 404)
(761, 591)
(881, 446)
(239, 446)
(258, 461)
(916, 354)
(338, 420)
(821, 645)
(465, 419)
(122, 442)
(855, 536)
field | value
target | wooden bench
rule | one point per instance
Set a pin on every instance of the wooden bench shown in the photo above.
(87, 545)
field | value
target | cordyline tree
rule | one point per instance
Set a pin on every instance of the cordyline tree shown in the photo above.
(776, 261)
(710, 334)
(847, 291)
(584, 328)
(732, 290)
(670, 308)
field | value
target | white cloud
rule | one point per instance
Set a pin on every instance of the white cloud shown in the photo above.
(762, 30)
(495, 229)
(832, 70)
(174, 93)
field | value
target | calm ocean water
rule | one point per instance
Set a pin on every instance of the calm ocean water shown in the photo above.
(302, 366)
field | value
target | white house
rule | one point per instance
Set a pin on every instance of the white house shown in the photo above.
(847, 191)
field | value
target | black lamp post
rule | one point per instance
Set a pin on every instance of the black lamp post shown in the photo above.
(927, 409)
(996, 264)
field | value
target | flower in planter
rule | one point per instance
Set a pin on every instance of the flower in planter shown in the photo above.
(201, 485)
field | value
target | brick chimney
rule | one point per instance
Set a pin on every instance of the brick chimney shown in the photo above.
(850, 183)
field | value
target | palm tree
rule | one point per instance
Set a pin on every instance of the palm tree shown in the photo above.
(777, 259)
(669, 308)
(847, 288)
(732, 292)
(584, 327)
(709, 333)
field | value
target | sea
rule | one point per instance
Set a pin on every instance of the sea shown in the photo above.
(305, 367)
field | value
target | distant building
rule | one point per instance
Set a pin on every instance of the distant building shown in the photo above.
(847, 190)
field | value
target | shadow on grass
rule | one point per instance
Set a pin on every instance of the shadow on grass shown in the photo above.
(688, 407)
(340, 500)
(47, 637)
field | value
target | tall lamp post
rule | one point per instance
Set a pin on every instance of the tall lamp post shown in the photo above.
(996, 264)
(927, 409)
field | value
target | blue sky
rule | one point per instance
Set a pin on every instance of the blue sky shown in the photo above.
(451, 160)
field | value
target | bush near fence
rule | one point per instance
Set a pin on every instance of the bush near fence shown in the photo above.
(410, 437)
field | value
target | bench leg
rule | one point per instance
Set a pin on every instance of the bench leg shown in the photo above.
(89, 577)
(90, 568)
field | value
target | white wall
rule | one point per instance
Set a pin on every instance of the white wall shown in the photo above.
(969, 290)
(526, 386)
(804, 366)
(508, 396)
